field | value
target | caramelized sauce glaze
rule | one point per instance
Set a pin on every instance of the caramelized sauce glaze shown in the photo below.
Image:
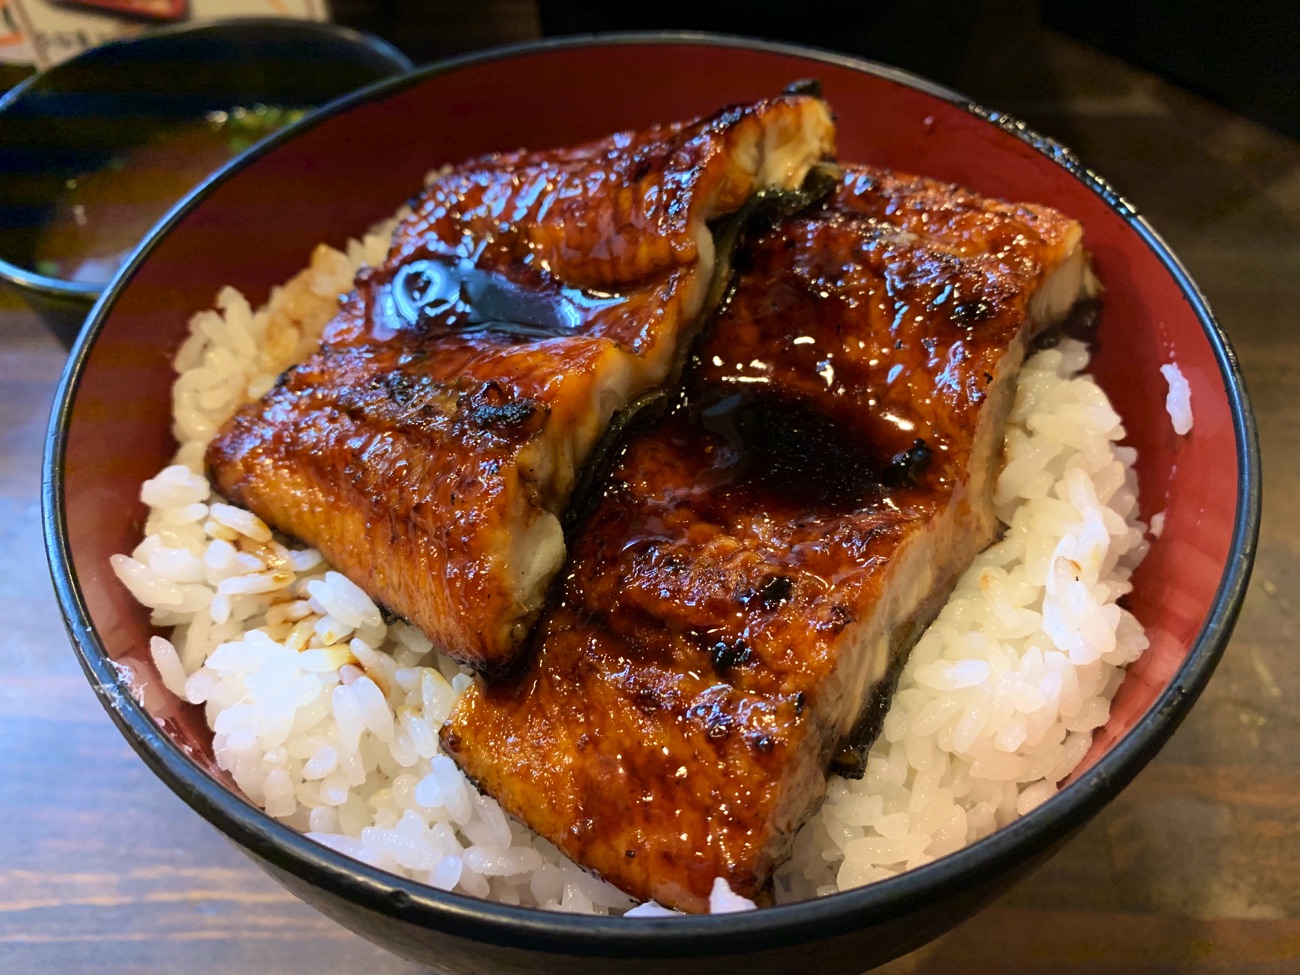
(600, 238)
(672, 727)
(551, 286)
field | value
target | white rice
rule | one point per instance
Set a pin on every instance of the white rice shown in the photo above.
(1178, 402)
(1157, 524)
(327, 717)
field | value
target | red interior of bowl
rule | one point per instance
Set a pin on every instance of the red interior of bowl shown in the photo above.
(259, 227)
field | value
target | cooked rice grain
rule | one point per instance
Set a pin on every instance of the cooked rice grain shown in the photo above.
(1178, 402)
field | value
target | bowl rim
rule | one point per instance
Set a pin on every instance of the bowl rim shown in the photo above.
(602, 936)
(20, 277)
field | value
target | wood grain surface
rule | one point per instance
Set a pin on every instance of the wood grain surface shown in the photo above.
(1194, 869)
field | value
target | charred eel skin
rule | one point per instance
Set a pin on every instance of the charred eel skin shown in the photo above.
(737, 603)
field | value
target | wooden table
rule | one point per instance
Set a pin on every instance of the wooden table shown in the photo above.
(1194, 869)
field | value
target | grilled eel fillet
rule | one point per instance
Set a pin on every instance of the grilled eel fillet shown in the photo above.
(430, 447)
(762, 556)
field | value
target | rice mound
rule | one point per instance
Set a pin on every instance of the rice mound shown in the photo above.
(327, 717)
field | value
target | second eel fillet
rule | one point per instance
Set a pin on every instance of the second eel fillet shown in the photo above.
(430, 448)
(763, 558)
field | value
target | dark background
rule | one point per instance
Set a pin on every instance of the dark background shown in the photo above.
(1244, 54)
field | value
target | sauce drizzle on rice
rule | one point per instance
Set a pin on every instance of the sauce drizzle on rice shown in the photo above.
(326, 715)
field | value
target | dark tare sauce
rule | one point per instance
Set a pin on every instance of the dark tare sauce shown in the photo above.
(103, 215)
(468, 298)
(794, 454)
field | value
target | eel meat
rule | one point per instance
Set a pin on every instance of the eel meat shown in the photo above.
(762, 558)
(430, 449)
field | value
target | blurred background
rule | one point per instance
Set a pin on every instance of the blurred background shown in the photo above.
(1245, 54)
(1242, 54)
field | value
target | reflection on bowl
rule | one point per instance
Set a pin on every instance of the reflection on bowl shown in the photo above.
(72, 205)
(257, 224)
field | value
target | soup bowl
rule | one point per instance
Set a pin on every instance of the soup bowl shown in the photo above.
(337, 172)
(78, 116)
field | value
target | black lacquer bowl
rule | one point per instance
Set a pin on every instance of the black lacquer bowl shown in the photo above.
(334, 174)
